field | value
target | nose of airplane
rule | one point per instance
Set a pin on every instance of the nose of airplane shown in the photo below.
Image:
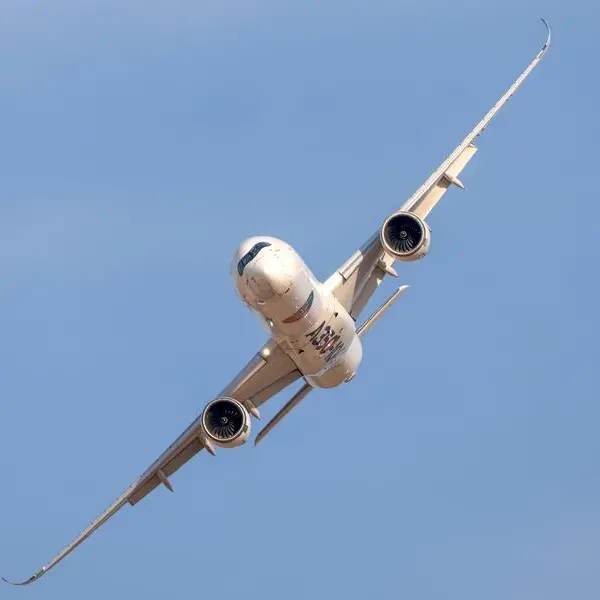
(268, 276)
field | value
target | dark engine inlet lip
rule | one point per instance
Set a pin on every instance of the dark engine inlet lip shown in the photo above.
(406, 216)
(238, 405)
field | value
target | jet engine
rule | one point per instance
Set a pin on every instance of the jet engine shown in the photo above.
(405, 236)
(226, 422)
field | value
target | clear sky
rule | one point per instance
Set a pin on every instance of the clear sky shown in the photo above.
(141, 142)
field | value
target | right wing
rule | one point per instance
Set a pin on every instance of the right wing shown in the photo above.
(266, 374)
(356, 280)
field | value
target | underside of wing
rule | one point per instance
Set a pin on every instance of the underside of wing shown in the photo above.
(425, 205)
(404, 235)
(266, 374)
(462, 152)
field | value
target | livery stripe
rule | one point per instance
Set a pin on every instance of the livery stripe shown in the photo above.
(303, 311)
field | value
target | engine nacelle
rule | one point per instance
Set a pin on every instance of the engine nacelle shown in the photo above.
(226, 422)
(405, 236)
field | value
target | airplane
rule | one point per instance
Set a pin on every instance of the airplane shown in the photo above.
(312, 325)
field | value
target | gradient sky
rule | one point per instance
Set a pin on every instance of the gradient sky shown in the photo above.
(141, 142)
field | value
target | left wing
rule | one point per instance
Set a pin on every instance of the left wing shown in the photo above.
(266, 374)
(356, 280)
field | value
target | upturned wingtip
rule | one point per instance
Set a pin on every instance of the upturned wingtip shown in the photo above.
(549, 38)
(26, 582)
(18, 583)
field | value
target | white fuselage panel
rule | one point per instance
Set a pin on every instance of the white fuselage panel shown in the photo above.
(304, 318)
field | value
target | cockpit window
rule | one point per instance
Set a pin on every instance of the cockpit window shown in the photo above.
(250, 255)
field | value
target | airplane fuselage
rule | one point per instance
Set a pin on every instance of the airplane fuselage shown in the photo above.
(301, 315)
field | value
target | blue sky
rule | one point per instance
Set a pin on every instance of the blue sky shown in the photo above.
(143, 141)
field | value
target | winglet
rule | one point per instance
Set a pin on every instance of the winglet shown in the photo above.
(27, 581)
(549, 38)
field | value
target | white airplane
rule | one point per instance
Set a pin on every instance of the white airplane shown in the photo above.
(312, 324)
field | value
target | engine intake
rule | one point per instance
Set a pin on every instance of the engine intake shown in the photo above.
(405, 236)
(226, 422)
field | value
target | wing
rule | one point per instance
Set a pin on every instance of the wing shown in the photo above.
(356, 280)
(266, 374)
